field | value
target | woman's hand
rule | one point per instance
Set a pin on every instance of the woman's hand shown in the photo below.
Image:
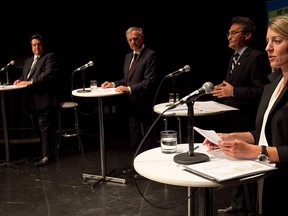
(238, 149)
(210, 145)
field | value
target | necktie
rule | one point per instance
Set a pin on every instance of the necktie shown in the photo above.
(32, 66)
(132, 65)
(234, 61)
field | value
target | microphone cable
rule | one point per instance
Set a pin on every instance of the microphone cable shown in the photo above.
(186, 68)
(134, 179)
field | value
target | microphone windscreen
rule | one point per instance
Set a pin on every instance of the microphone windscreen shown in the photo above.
(208, 87)
(187, 68)
(90, 63)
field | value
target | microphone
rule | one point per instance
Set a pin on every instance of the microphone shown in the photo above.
(186, 68)
(90, 63)
(8, 65)
(207, 88)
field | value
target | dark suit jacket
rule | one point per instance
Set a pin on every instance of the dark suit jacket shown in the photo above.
(143, 81)
(249, 77)
(43, 93)
(276, 129)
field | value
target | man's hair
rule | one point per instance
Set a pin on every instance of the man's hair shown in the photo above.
(248, 25)
(134, 28)
(37, 36)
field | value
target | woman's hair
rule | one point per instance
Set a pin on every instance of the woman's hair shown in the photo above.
(279, 25)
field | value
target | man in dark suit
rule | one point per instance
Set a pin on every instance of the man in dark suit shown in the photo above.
(139, 82)
(40, 75)
(246, 77)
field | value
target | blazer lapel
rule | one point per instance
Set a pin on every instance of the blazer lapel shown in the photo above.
(130, 74)
(266, 95)
(33, 69)
(239, 64)
(230, 76)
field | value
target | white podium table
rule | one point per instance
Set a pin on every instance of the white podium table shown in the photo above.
(159, 167)
(3, 89)
(99, 94)
(201, 108)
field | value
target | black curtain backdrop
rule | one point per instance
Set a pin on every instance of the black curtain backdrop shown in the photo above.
(182, 32)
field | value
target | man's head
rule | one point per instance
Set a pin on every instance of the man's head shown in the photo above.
(240, 32)
(135, 38)
(37, 44)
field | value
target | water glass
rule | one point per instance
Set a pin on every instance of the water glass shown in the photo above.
(173, 97)
(93, 85)
(168, 140)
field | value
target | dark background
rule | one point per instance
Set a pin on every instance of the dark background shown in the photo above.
(182, 32)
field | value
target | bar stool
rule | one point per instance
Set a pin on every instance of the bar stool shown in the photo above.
(68, 131)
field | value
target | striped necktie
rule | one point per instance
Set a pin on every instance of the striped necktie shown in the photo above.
(32, 66)
(132, 65)
(234, 61)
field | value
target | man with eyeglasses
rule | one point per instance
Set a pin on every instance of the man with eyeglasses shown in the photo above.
(242, 88)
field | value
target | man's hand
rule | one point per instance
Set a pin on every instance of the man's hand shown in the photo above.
(224, 89)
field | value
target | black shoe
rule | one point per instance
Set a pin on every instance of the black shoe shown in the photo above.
(138, 176)
(126, 171)
(227, 210)
(42, 162)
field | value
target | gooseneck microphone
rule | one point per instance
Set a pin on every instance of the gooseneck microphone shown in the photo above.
(192, 157)
(8, 65)
(186, 68)
(90, 63)
(207, 88)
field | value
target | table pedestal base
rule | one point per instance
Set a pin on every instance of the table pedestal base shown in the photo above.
(96, 179)
(186, 159)
(10, 165)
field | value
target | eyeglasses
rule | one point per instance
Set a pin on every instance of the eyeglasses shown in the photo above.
(233, 33)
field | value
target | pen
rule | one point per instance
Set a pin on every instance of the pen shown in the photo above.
(196, 147)
(201, 110)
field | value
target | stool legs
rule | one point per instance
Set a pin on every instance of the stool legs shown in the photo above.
(77, 129)
(67, 133)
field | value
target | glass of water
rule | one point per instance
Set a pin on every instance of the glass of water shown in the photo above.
(93, 85)
(173, 97)
(168, 140)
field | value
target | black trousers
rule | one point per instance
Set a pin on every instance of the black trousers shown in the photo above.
(44, 121)
(139, 127)
(245, 198)
(275, 190)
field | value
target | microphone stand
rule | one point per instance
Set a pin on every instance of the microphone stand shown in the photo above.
(7, 78)
(190, 157)
(83, 83)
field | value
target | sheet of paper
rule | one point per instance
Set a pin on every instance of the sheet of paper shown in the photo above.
(212, 106)
(211, 135)
(200, 107)
(225, 169)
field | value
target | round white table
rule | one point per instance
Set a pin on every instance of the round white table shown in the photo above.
(201, 108)
(160, 167)
(3, 89)
(99, 94)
